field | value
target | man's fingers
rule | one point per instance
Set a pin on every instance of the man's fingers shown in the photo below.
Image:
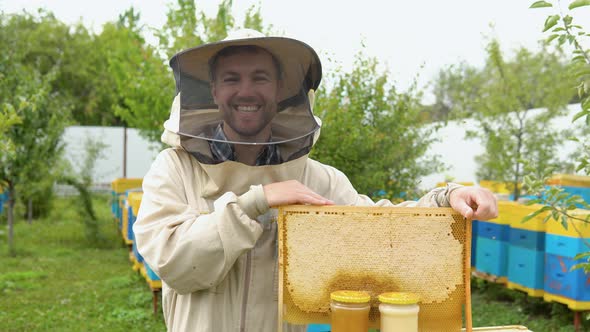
(317, 197)
(465, 210)
(317, 200)
(486, 212)
(474, 203)
(310, 197)
(485, 206)
(292, 192)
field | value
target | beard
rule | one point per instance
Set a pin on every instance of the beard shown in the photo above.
(249, 125)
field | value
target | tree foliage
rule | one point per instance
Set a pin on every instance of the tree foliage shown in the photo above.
(141, 84)
(564, 31)
(500, 97)
(38, 111)
(82, 180)
(372, 132)
(52, 75)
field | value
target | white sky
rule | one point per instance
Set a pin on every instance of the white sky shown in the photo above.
(403, 35)
(408, 37)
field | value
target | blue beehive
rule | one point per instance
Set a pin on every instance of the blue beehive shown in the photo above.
(318, 328)
(491, 256)
(491, 247)
(130, 220)
(572, 184)
(474, 226)
(134, 203)
(138, 257)
(583, 192)
(151, 277)
(120, 208)
(114, 203)
(150, 274)
(119, 188)
(492, 231)
(3, 198)
(560, 280)
(567, 246)
(526, 239)
(579, 191)
(526, 267)
(127, 203)
(526, 260)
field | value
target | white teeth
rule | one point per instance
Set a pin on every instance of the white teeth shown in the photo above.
(247, 108)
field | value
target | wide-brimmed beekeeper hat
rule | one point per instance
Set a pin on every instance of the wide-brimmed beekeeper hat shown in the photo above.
(199, 117)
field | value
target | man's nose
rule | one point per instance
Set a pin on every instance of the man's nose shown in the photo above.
(246, 88)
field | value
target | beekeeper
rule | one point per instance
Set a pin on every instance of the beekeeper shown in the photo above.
(240, 130)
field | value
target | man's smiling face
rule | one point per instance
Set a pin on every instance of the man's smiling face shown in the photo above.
(245, 88)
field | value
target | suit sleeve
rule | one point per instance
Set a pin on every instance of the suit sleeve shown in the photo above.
(188, 250)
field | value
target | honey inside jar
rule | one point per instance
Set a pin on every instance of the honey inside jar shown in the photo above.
(399, 312)
(350, 311)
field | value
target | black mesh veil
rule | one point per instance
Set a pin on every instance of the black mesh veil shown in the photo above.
(293, 125)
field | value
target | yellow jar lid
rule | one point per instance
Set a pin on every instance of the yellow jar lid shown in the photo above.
(348, 296)
(399, 298)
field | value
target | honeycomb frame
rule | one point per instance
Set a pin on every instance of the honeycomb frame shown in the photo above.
(293, 223)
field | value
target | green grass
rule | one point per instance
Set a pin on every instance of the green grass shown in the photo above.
(495, 305)
(58, 282)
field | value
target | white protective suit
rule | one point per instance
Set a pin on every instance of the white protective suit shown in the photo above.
(206, 228)
(209, 234)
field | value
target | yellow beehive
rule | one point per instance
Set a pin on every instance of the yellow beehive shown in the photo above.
(497, 187)
(569, 180)
(529, 291)
(518, 211)
(125, 223)
(503, 213)
(154, 284)
(122, 184)
(576, 227)
(121, 199)
(377, 249)
(571, 303)
(511, 213)
(135, 201)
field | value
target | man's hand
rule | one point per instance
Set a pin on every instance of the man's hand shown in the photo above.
(292, 192)
(474, 203)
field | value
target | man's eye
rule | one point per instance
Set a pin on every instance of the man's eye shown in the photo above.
(230, 79)
(260, 79)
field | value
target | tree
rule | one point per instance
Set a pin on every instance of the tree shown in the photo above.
(86, 78)
(52, 73)
(33, 140)
(82, 180)
(501, 97)
(454, 89)
(141, 86)
(81, 75)
(372, 132)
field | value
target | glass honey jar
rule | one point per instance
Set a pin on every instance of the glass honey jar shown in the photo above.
(350, 311)
(399, 312)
